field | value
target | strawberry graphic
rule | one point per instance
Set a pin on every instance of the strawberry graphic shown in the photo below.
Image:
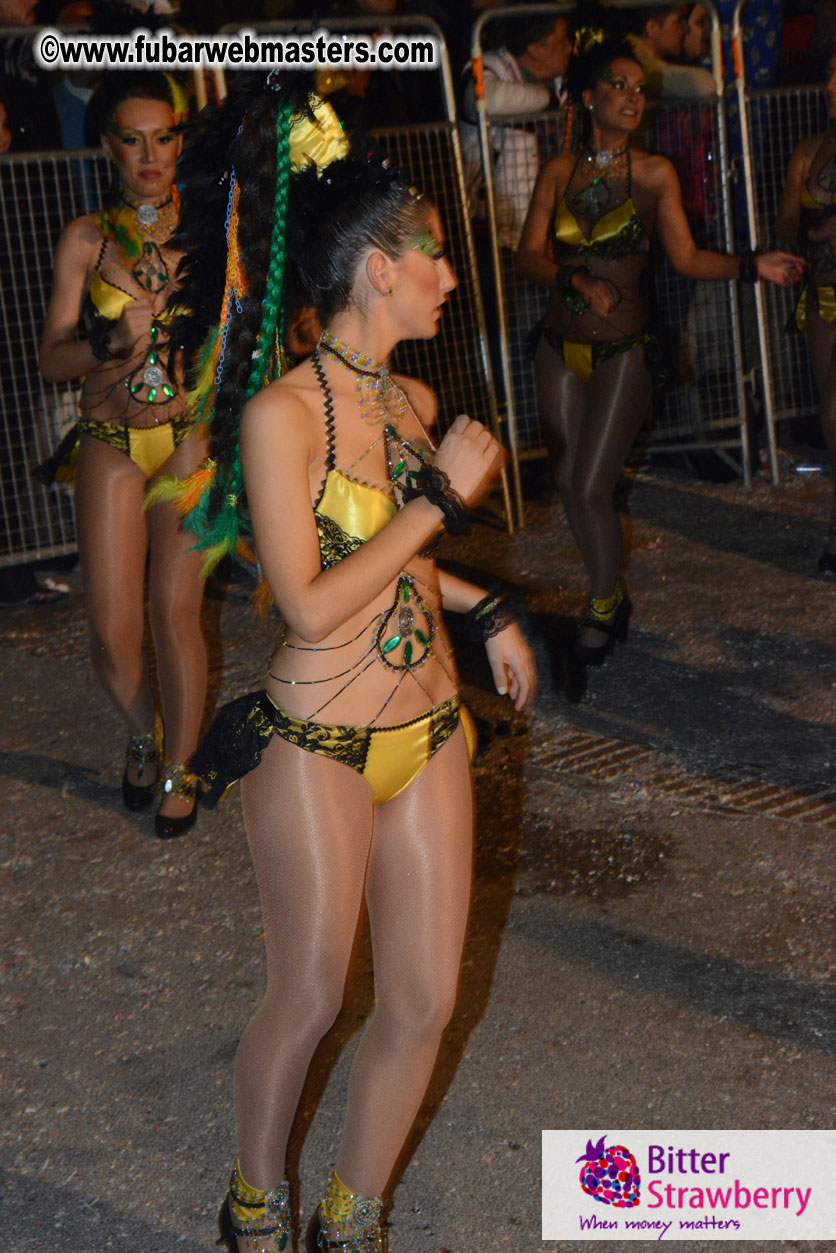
(610, 1174)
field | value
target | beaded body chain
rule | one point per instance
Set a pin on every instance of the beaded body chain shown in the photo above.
(139, 233)
(402, 636)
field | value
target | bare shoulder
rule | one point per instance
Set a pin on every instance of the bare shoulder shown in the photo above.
(421, 397)
(79, 244)
(556, 172)
(82, 233)
(282, 410)
(652, 171)
(807, 149)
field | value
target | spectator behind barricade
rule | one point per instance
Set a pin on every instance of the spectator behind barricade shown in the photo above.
(684, 134)
(458, 26)
(17, 12)
(363, 98)
(525, 74)
(36, 124)
(696, 46)
(657, 37)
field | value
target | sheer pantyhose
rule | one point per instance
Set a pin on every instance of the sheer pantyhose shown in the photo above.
(820, 250)
(822, 340)
(589, 429)
(317, 845)
(115, 538)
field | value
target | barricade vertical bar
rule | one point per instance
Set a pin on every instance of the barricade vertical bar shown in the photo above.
(748, 175)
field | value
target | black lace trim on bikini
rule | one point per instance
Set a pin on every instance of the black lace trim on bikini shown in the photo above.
(334, 543)
(243, 728)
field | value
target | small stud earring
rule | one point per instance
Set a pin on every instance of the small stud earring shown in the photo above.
(388, 291)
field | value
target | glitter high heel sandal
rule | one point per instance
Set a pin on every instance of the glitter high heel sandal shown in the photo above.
(341, 1208)
(252, 1221)
(177, 781)
(611, 616)
(143, 752)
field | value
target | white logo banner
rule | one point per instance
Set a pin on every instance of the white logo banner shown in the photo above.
(689, 1185)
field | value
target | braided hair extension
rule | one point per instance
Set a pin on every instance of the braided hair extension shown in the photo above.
(215, 141)
(237, 163)
(252, 356)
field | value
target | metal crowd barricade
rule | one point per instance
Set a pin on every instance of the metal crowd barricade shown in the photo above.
(457, 362)
(773, 122)
(706, 409)
(39, 193)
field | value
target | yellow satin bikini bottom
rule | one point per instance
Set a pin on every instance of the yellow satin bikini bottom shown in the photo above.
(389, 758)
(149, 447)
(824, 300)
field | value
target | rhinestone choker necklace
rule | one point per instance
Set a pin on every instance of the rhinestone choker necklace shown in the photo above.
(379, 397)
(605, 156)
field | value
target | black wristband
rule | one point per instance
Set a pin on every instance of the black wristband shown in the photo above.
(492, 614)
(98, 338)
(748, 266)
(435, 485)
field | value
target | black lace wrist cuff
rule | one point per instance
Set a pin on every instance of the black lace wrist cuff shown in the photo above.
(99, 339)
(748, 266)
(435, 485)
(492, 614)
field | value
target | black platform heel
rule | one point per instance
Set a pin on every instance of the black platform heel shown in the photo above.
(143, 753)
(177, 781)
(611, 616)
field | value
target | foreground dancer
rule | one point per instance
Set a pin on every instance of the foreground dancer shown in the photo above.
(808, 219)
(587, 237)
(115, 275)
(354, 760)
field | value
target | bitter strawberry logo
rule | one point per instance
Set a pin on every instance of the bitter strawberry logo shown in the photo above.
(610, 1175)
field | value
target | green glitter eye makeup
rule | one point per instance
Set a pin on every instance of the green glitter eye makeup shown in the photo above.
(427, 243)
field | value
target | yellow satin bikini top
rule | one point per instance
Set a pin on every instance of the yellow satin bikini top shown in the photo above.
(348, 513)
(618, 233)
(809, 201)
(109, 301)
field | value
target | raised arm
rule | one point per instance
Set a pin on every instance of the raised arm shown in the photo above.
(697, 263)
(63, 356)
(275, 454)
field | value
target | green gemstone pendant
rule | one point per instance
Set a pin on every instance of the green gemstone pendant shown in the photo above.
(392, 643)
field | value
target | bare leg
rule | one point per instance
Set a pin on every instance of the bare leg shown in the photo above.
(175, 593)
(822, 340)
(112, 541)
(589, 430)
(418, 893)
